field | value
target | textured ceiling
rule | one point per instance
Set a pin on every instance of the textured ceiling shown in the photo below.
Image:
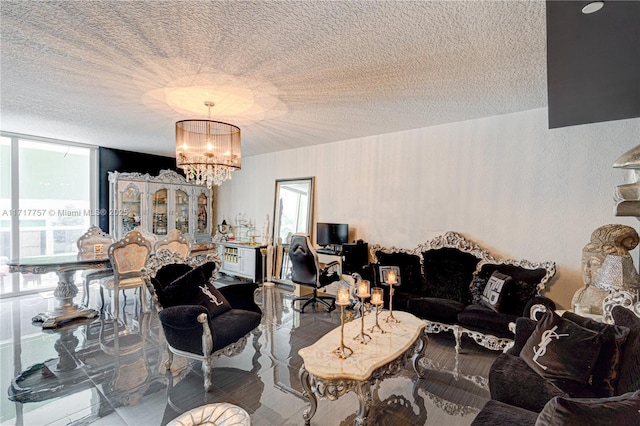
(290, 74)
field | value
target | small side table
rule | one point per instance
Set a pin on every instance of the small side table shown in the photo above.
(213, 414)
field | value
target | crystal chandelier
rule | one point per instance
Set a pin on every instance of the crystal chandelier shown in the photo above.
(207, 151)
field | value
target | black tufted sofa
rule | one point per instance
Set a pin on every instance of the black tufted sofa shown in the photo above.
(442, 281)
(521, 396)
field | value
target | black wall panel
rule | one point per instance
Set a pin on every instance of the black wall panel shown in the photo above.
(593, 62)
(125, 161)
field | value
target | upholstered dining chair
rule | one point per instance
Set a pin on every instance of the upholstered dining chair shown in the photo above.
(148, 235)
(306, 271)
(176, 242)
(94, 244)
(128, 256)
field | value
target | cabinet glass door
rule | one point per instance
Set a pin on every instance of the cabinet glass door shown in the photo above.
(132, 204)
(160, 212)
(182, 211)
(201, 225)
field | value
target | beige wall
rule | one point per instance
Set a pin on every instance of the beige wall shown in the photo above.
(507, 182)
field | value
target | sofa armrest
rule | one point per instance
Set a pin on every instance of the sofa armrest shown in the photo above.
(241, 296)
(182, 317)
(538, 300)
(513, 382)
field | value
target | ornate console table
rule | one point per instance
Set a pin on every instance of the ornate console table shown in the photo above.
(65, 267)
(324, 374)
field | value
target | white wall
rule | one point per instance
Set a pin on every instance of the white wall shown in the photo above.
(508, 183)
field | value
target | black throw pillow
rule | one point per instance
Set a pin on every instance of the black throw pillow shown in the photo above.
(194, 288)
(164, 277)
(211, 298)
(561, 349)
(618, 410)
(605, 372)
(497, 286)
(629, 377)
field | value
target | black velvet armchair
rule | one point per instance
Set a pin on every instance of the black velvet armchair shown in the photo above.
(199, 320)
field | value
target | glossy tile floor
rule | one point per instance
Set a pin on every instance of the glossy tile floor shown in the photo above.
(74, 374)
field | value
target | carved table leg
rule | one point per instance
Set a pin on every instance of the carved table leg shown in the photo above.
(65, 309)
(420, 353)
(308, 394)
(363, 390)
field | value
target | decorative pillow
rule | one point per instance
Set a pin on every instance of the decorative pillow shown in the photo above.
(194, 288)
(605, 372)
(165, 276)
(629, 377)
(561, 349)
(496, 287)
(617, 410)
(213, 300)
(521, 291)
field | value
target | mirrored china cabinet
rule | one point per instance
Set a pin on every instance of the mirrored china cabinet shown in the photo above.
(159, 204)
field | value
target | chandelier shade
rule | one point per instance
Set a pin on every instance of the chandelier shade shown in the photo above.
(207, 151)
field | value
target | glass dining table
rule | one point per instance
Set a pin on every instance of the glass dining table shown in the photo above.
(65, 267)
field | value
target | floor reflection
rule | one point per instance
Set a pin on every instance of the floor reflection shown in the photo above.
(105, 372)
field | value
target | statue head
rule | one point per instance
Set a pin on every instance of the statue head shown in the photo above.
(607, 239)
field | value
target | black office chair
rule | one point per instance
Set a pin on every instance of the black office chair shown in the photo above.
(306, 270)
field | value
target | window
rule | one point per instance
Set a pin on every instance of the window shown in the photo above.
(45, 203)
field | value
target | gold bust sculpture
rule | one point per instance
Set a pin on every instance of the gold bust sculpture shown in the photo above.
(607, 239)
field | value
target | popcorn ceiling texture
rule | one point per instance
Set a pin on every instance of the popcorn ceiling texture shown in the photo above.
(314, 72)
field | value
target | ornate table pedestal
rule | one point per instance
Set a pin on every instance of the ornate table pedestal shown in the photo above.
(324, 374)
(65, 267)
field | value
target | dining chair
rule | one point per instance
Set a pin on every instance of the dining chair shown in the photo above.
(176, 242)
(148, 235)
(94, 244)
(128, 256)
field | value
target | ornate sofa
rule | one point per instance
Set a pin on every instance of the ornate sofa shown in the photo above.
(586, 373)
(199, 320)
(443, 281)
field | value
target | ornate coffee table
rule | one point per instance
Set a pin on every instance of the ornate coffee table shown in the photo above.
(324, 374)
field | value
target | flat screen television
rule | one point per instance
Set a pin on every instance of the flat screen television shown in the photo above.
(332, 234)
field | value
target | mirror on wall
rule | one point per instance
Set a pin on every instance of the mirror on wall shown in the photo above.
(293, 208)
(293, 213)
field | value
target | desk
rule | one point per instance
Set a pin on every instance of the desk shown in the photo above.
(65, 267)
(325, 374)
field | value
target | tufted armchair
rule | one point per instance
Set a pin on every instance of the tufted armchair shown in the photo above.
(199, 320)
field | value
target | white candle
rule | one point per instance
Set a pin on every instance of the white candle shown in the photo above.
(363, 289)
(391, 277)
(343, 296)
(376, 296)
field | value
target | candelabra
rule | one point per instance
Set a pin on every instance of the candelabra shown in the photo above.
(343, 300)
(376, 300)
(363, 293)
(391, 280)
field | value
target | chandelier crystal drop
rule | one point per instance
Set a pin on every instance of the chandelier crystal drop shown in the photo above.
(207, 151)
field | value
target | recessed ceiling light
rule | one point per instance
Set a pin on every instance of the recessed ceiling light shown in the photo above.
(593, 7)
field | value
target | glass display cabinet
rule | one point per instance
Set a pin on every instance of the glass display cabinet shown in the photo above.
(159, 204)
(132, 203)
(159, 212)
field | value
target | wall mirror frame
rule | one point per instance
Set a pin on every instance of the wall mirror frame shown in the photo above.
(293, 208)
